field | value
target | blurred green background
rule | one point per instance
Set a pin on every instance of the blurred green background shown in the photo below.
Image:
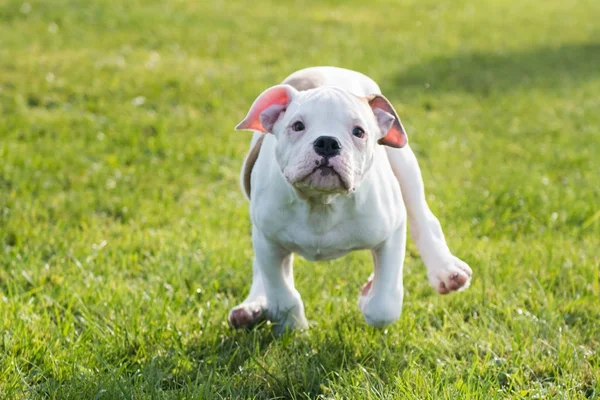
(125, 238)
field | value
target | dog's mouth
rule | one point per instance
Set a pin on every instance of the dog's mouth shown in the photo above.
(324, 177)
(325, 170)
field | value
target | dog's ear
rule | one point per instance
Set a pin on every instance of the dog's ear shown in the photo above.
(266, 108)
(392, 130)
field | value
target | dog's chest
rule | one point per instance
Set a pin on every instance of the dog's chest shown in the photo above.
(315, 245)
(326, 232)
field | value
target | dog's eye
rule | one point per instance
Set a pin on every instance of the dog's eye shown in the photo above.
(298, 126)
(358, 132)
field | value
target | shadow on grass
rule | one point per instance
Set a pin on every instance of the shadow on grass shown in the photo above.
(229, 364)
(257, 364)
(487, 73)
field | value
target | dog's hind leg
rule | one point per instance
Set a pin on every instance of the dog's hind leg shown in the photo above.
(446, 272)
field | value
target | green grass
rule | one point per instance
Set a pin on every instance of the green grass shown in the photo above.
(125, 239)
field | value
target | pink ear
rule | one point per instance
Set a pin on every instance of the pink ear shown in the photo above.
(393, 132)
(266, 108)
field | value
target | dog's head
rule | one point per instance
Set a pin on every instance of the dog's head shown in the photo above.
(326, 137)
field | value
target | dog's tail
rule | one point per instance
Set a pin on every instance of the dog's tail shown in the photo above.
(248, 166)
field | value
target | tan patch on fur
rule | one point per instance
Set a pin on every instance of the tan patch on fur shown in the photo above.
(301, 83)
(249, 164)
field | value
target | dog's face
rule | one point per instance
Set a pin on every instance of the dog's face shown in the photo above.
(325, 140)
(326, 137)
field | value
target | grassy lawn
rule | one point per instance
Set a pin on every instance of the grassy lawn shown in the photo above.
(125, 239)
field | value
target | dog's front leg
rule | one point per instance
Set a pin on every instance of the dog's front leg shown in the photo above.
(272, 295)
(445, 271)
(381, 297)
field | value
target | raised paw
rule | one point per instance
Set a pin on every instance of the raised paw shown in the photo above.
(450, 276)
(245, 315)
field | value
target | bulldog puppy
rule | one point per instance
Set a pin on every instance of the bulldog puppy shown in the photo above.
(329, 172)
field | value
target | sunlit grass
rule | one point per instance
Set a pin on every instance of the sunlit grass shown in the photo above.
(125, 237)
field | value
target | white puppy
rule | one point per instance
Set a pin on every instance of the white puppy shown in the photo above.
(329, 172)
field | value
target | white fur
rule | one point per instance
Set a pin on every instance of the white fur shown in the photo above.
(322, 217)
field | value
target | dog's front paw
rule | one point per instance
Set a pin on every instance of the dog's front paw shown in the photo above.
(379, 309)
(286, 314)
(246, 315)
(450, 275)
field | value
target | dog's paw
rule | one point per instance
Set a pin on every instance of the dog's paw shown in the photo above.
(246, 315)
(289, 322)
(286, 314)
(379, 309)
(450, 275)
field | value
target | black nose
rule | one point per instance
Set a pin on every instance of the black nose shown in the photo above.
(327, 146)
